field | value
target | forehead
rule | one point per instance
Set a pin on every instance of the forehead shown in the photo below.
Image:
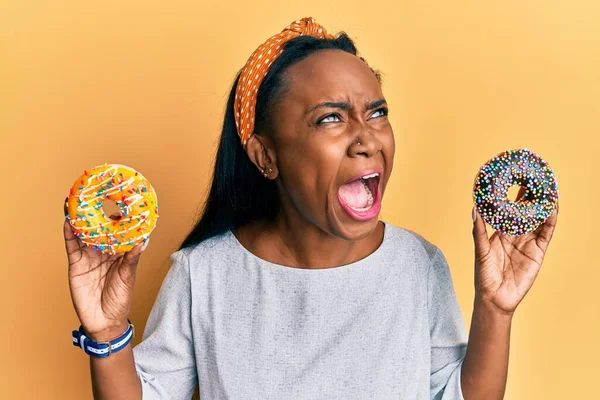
(331, 74)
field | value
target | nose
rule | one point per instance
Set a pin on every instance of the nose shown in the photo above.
(366, 143)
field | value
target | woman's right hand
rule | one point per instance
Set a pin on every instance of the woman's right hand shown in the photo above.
(101, 285)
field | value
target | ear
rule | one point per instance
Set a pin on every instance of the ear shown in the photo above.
(261, 152)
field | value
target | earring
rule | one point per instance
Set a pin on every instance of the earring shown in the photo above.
(266, 173)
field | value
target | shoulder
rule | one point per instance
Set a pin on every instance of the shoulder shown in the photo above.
(408, 240)
(438, 273)
(209, 251)
(440, 286)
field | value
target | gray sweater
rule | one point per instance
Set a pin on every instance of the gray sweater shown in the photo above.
(385, 327)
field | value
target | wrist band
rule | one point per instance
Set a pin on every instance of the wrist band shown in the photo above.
(103, 349)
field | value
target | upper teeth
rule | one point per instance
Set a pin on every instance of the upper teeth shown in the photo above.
(370, 176)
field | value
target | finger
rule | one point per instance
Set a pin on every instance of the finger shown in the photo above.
(115, 216)
(480, 236)
(72, 242)
(65, 207)
(521, 193)
(546, 231)
(132, 257)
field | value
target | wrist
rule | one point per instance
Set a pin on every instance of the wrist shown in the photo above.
(107, 334)
(102, 344)
(489, 307)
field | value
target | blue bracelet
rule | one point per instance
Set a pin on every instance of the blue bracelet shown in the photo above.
(102, 349)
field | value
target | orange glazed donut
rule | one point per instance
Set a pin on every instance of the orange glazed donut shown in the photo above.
(133, 194)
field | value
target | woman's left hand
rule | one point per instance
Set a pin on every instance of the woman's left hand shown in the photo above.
(506, 266)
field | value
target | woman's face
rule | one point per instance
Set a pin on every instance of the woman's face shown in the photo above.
(331, 102)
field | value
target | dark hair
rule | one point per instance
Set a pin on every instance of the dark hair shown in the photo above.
(239, 193)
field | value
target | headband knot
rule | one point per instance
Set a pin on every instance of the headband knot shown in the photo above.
(257, 67)
(306, 27)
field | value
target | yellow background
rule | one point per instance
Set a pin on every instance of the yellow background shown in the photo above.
(144, 83)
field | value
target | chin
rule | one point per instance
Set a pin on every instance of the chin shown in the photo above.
(350, 229)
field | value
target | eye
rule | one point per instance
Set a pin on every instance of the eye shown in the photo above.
(383, 111)
(328, 118)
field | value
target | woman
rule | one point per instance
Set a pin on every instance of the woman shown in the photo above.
(289, 287)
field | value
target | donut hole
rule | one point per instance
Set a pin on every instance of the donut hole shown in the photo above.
(111, 209)
(513, 192)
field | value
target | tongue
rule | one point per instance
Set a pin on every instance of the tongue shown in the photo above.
(354, 194)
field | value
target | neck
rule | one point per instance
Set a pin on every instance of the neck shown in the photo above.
(298, 243)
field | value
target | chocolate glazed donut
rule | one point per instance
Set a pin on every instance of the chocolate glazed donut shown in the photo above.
(520, 167)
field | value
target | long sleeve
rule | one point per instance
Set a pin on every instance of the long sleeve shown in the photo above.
(447, 330)
(164, 359)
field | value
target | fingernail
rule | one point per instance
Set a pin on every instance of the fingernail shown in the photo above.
(145, 245)
(65, 208)
(474, 215)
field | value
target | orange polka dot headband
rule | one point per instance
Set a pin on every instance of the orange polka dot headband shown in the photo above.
(257, 67)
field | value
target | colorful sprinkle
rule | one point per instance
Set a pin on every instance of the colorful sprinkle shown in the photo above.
(520, 167)
(108, 182)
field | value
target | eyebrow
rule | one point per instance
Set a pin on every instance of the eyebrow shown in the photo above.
(345, 106)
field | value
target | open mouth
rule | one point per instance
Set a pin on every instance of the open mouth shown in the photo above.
(360, 194)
